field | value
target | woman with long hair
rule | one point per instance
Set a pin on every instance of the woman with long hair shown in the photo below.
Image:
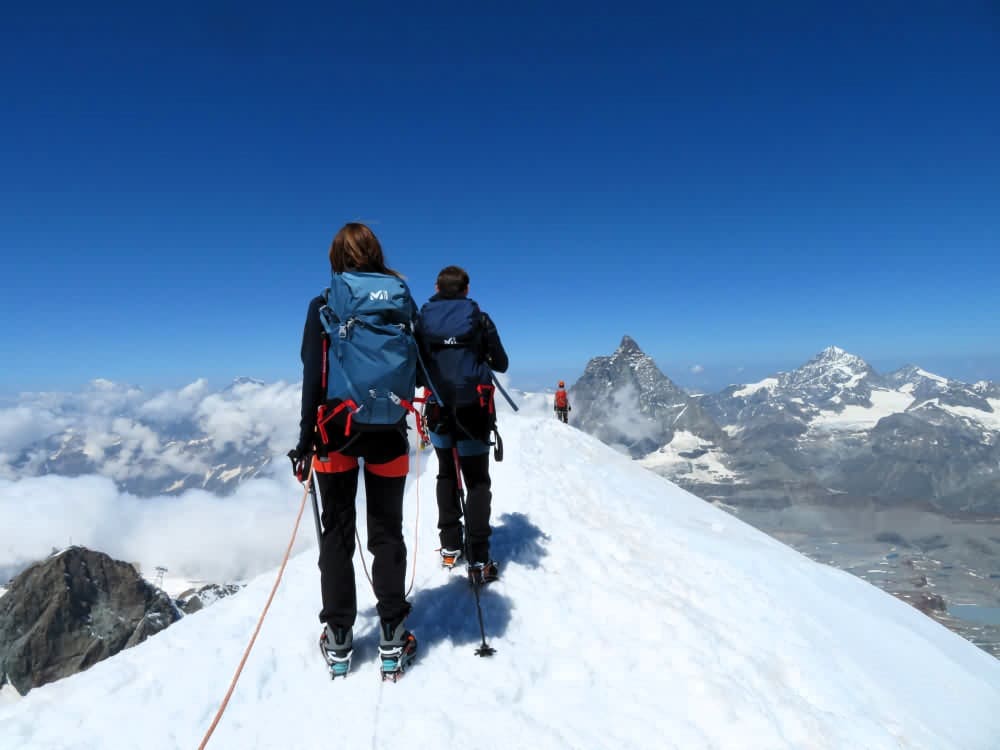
(334, 435)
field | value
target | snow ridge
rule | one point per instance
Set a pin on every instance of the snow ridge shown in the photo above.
(688, 628)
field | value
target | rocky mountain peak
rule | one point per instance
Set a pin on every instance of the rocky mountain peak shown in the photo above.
(630, 367)
(70, 611)
(835, 357)
(627, 400)
(628, 346)
(245, 380)
(631, 355)
(831, 372)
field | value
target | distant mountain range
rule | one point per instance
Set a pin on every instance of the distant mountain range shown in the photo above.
(152, 444)
(832, 429)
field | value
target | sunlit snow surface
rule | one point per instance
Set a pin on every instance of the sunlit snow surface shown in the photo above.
(987, 419)
(676, 458)
(749, 390)
(854, 418)
(630, 614)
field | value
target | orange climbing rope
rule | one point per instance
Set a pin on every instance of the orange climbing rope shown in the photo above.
(277, 582)
(253, 638)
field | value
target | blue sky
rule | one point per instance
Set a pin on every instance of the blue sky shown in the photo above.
(734, 187)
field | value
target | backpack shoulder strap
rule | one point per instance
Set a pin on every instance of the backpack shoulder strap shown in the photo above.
(327, 317)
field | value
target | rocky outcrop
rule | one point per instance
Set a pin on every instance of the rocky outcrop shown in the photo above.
(72, 610)
(196, 599)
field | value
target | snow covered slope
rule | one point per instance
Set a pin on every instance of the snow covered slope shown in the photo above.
(630, 614)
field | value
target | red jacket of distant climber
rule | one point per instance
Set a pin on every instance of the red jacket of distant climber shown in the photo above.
(562, 400)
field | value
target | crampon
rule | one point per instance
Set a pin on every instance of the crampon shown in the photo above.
(397, 659)
(337, 661)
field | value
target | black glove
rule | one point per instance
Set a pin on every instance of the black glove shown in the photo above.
(300, 462)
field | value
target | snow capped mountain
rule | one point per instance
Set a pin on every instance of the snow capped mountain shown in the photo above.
(925, 387)
(629, 402)
(683, 626)
(833, 441)
(910, 436)
(829, 383)
(832, 377)
(986, 389)
(831, 427)
(245, 380)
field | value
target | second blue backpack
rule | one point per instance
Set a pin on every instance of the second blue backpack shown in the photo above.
(451, 332)
(372, 357)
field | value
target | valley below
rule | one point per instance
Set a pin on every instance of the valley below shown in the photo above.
(947, 568)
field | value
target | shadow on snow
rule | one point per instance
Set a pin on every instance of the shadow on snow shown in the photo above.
(447, 613)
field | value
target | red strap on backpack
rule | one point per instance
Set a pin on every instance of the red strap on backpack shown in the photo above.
(322, 417)
(485, 392)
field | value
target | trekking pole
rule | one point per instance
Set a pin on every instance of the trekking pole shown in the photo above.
(310, 480)
(315, 504)
(503, 392)
(484, 649)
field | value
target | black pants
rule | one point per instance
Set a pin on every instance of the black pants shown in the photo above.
(476, 473)
(563, 415)
(337, 490)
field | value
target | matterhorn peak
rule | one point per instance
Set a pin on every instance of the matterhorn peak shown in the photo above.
(629, 345)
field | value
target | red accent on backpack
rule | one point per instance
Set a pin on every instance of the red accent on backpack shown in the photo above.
(561, 400)
(486, 397)
(325, 414)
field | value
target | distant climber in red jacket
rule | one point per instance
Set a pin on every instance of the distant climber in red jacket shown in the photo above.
(562, 406)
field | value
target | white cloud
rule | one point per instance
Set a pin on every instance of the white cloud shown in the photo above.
(134, 435)
(20, 426)
(624, 417)
(174, 406)
(697, 369)
(197, 534)
(250, 414)
(128, 434)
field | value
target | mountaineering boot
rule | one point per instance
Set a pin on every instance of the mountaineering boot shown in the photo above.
(482, 573)
(449, 557)
(337, 645)
(397, 648)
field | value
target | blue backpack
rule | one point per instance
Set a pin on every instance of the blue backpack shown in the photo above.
(371, 359)
(451, 332)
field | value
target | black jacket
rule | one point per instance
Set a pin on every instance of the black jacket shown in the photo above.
(312, 373)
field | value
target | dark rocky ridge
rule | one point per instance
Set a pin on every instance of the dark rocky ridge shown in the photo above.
(72, 610)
